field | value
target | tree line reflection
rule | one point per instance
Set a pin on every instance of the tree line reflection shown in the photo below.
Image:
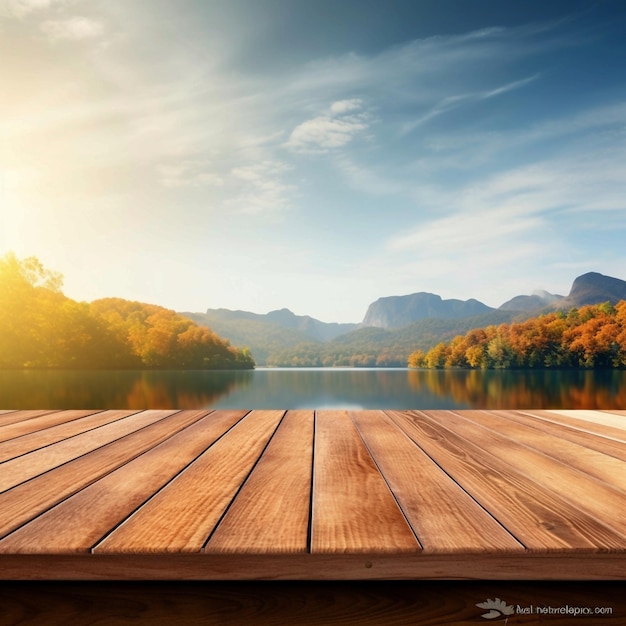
(314, 388)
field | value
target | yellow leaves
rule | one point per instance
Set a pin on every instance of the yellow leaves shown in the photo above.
(40, 327)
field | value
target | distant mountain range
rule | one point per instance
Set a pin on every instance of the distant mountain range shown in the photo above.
(267, 333)
(393, 326)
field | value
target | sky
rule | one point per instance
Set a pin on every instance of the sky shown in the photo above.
(313, 154)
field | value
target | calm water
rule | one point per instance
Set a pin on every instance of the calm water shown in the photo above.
(313, 388)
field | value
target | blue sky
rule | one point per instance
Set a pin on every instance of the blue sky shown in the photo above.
(315, 155)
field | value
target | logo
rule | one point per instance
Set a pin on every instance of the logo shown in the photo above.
(497, 609)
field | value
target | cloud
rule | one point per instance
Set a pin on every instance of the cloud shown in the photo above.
(452, 102)
(189, 174)
(523, 202)
(366, 179)
(73, 28)
(261, 188)
(467, 231)
(334, 129)
(344, 106)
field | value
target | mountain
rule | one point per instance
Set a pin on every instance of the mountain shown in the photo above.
(392, 328)
(399, 311)
(540, 299)
(589, 288)
(321, 331)
(594, 288)
(269, 333)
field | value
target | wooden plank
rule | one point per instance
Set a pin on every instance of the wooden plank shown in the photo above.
(585, 426)
(600, 566)
(27, 466)
(604, 502)
(544, 439)
(444, 517)
(39, 423)
(11, 417)
(78, 522)
(271, 512)
(33, 441)
(597, 417)
(24, 502)
(183, 514)
(561, 432)
(539, 518)
(353, 508)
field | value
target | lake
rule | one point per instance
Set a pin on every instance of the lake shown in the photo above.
(359, 388)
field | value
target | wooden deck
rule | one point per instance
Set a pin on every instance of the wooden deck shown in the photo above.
(231, 495)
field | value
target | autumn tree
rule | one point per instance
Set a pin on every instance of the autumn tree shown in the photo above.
(592, 336)
(42, 328)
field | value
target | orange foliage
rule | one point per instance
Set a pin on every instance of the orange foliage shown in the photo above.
(592, 336)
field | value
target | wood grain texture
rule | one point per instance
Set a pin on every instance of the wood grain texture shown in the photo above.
(29, 465)
(443, 516)
(603, 467)
(39, 439)
(540, 520)
(597, 417)
(271, 512)
(353, 508)
(81, 520)
(604, 502)
(26, 501)
(183, 514)
(46, 420)
(554, 430)
(584, 425)
(11, 417)
(226, 495)
(296, 566)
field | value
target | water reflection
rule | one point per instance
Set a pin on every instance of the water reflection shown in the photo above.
(313, 388)
(531, 389)
(117, 389)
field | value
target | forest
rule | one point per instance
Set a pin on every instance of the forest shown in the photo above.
(376, 347)
(592, 336)
(42, 328)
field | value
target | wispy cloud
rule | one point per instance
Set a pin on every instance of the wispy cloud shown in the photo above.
(168, 119)
(189, 174)
(73, 28)
(261, 188)
(334, 129)
(452, 102)
(534, 216)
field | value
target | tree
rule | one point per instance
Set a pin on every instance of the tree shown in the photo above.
(41, 328)
(592, 336)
